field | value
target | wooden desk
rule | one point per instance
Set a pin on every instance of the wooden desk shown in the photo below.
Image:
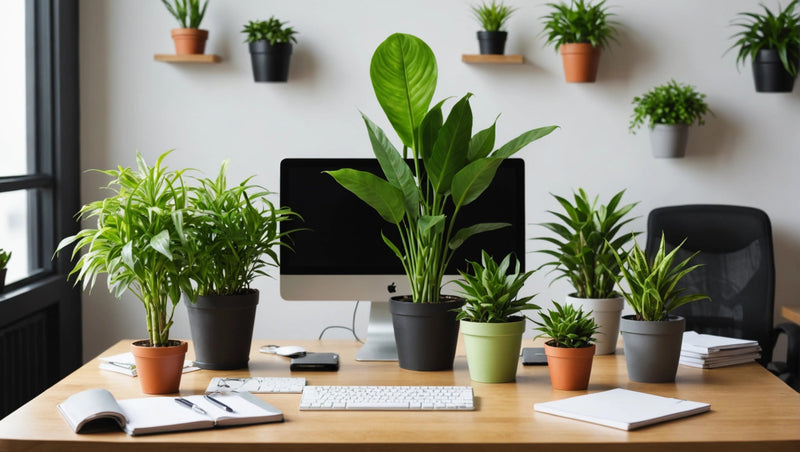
(791, 313)
(750, 410)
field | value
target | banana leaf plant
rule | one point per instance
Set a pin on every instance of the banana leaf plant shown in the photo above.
(450, 166)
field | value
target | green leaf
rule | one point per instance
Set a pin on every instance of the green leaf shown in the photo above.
(379, 194)
(524, 139)
(160, 243)
(450, 150)
(472, 180)
(464, 233)
(482, 143)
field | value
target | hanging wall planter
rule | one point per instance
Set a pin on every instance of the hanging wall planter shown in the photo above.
(669, 140)
(270, 62)
(769, 74)
(580, 62)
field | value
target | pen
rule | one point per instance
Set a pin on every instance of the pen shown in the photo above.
(190, 405)
(217, 402)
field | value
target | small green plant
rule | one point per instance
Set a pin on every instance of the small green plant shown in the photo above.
(491, 292)
(271, 30)
(671, 103)
(579, 22)
(587, 241)
(652, 283)
(779, 31)
(567, 327)
(5, 256)
(492, 16)
(188, 13)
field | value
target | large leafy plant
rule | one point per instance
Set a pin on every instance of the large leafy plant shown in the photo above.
(272, 30)
(140, 241)
(451, 166)
(671, 103)
(5, 256)
(587, 239)
(567, 327)
(490, 292)
(653, 283)
(492, 16)
(188, 13)
(579, 22)
(769, 30)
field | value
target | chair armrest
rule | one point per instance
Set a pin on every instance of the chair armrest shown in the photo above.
(792, 333)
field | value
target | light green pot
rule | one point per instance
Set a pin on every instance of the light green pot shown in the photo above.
(493, 350)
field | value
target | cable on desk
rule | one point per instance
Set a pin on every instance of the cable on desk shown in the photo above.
(351, 328)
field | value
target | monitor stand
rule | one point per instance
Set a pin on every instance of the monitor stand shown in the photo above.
(380, 345)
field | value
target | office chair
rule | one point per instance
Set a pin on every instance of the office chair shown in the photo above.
(738, 273)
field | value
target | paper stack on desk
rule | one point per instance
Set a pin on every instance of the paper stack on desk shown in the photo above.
(708, 351)
(124, 363)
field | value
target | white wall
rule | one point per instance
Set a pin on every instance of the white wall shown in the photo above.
(746, 154)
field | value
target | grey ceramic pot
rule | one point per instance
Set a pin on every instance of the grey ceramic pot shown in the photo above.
(652, 349)
(669, 140)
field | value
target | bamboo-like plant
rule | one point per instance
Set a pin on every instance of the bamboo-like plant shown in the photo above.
(272, 30)
(188, 13)
(492, 16)
(579, 22)
(588, 238)
(5, 256)
(567, 327)
(769, 30)
(670, 103)
(652, 283)
(490, 292)
(451, 166)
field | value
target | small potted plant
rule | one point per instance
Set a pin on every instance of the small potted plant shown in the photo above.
(235, 234)
(579, 30)
(5, 256)
(669, 110)
(491, 319)
(189, 39)
(651, 337)
(772, 42)
(570, 350)
(492, 17)
(270, 43)
(140, 241)
(587, 239)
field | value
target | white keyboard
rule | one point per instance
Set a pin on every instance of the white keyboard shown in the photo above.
(387, 398)
(262, 385)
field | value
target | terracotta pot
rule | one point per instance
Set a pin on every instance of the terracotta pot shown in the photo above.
(580, 62)
(570, 368)
(189, 41)
(159, 368)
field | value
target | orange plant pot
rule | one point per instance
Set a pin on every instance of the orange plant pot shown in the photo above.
(189, 41)
(570, 368)
(159, 368)
(580, 62)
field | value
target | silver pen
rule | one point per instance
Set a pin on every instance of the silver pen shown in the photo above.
(190, 405)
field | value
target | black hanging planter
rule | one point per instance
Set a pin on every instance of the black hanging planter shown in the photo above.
(270, 61)
(425, 333)
(769, 74)
(3, 279)
(492, 42)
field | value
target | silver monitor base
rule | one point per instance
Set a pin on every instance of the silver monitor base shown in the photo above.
(379, 345)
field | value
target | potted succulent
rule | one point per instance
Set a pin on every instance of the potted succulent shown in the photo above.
(491, 319)
(451, 168)
(140, 241)
(772, 42)
(189, 39)
(270, 43)
(651, 337)
(234, 235)
(570, 350)
(492, 17)
(587, 239)
(5, 256)
(669, 110)
(579, 31)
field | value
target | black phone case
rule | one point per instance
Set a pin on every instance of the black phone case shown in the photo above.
(316, 361)
(534, 356)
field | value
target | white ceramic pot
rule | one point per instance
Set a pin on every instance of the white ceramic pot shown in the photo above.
(606, 313)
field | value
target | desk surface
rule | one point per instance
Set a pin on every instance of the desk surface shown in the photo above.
(792, 313)
(750, 409)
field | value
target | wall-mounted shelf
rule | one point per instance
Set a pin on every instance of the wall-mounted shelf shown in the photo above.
(206, 59)
(492, 59)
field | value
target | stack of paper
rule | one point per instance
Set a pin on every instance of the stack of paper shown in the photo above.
(708, 351)
(124, 363)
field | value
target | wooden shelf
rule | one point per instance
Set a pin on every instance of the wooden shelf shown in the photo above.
(492, 59)
(188, 58)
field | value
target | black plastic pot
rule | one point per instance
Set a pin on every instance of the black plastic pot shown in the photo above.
(769, 74)
(425, 333)
(492, 42)
(3, 279)
(270, 62)
(222, 329)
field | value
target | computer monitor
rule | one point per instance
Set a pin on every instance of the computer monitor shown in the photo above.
(341, 255)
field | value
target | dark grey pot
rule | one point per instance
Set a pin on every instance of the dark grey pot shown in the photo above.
(769, 74)
(492, 42)
(270, 62)
(425, 333)
(3, 272)
(222, 329)
(652, 349)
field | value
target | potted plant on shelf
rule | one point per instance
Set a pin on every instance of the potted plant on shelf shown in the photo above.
(772, 42)
(579, 31)
(140, 242)
(451, 168)
(570, 350)
(492, 17)
(5, 256)
(270, 43)
(669, 110)
(587, 240)
(234, 235)
(651, 337)
(491, 319)
(189, 39)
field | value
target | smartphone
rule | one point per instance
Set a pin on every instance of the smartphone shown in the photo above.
(316, 361)
(534, 356)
